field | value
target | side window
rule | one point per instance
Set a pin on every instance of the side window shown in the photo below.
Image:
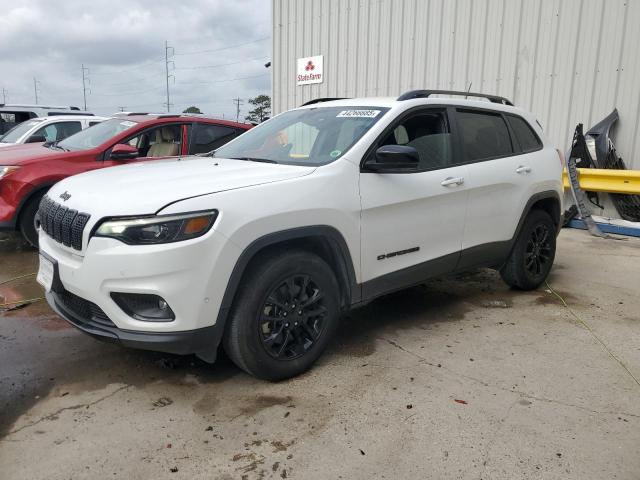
(427, 132)
(524, 134)
(91, 124)
(58, 131)
(483, 135)
(209, 137)
(162, 141)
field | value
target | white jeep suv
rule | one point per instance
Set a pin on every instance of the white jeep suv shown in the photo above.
(261, 245)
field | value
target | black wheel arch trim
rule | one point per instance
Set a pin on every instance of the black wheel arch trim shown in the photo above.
(535, 198)
(336, 243)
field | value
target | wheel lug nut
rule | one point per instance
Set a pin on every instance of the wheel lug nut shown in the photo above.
(286, 325)
(299, 312)
(284, 314)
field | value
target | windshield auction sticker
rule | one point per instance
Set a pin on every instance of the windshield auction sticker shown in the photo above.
(358, 114)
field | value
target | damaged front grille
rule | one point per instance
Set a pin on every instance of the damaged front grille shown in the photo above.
(63, 224)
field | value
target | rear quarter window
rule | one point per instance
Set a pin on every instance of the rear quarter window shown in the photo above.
(483, 135)
(525, 136)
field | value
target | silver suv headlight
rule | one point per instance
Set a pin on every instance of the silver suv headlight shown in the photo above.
(149, 230)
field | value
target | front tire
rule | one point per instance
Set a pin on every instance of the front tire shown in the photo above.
(28, 218)
(532, 257)
(284, 315)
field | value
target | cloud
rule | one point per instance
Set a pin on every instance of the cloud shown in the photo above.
(121, 42)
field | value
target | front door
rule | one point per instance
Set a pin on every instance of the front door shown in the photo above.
(412, 223)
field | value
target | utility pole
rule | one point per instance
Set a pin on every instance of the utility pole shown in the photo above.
(4, 95)
(168, 55)
(238, 101)
(85, 81)
(121, 109)
(36, 85)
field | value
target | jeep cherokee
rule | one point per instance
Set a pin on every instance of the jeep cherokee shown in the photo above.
(260, 246)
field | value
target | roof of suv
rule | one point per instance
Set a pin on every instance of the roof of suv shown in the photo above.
(66, 118)
(428, 97)
(169, 117)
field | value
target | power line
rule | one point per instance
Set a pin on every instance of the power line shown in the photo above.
(36, 86)
(238, 101)
(224, 48)
(166, 65)
(136, 67)
(222, 64)
(85, 80)
(225, 80)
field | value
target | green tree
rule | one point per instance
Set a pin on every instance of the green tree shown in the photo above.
(192, 109)
(262, 110)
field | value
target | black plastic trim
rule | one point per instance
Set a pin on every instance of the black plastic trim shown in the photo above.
(407, 277)
(202, 341)
(493, 255)
(321, 100)
(336, 242)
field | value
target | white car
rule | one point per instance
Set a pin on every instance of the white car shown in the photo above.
(262, 245)
(48, 129)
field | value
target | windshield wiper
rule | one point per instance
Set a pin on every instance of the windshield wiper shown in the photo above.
(254, 159)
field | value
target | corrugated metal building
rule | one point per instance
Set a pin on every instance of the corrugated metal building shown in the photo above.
(568, 61)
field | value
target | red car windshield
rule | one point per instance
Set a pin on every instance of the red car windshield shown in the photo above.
(96, 135)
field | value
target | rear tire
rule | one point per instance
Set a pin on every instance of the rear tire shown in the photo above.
(533, 253)
(284, 315)
(28, 218)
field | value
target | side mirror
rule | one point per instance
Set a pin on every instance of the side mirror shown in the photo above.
(122, 151)
(36, 139)
(395, 159)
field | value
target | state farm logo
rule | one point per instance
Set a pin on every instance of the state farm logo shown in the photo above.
(309, 70)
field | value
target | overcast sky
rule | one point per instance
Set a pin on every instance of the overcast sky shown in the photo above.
(121, 42)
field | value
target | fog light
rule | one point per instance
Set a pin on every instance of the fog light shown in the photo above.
(143, 306)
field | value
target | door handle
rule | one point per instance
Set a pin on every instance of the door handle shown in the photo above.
(452, 181)
(523, 169)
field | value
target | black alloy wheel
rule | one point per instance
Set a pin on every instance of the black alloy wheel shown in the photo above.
(293, 318)
(538, 250)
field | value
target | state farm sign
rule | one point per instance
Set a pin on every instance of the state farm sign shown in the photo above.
(309, 70)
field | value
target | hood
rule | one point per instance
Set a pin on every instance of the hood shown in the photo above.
(22, 153)
(146, 187)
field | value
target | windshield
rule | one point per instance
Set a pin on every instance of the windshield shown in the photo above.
(310, 136)
(96, 135)
(13, 135)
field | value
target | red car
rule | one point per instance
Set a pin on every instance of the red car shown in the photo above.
(28, 171)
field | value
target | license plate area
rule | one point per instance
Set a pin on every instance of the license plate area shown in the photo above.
(45, 273)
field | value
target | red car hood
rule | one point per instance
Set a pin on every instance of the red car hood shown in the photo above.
(28, 152)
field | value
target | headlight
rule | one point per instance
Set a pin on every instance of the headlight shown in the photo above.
(4, 171)
(158, 228)
(591, 146)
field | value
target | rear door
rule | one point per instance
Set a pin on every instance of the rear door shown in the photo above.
(498, 183)
(412, 223)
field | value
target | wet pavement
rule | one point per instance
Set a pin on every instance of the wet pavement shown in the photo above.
(460, 378)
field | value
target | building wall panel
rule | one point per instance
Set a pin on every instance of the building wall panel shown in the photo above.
(568, 61)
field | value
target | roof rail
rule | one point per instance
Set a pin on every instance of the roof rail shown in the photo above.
(427, 93)
(320, 100)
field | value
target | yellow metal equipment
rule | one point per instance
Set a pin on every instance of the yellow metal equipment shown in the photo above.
(604, 180)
